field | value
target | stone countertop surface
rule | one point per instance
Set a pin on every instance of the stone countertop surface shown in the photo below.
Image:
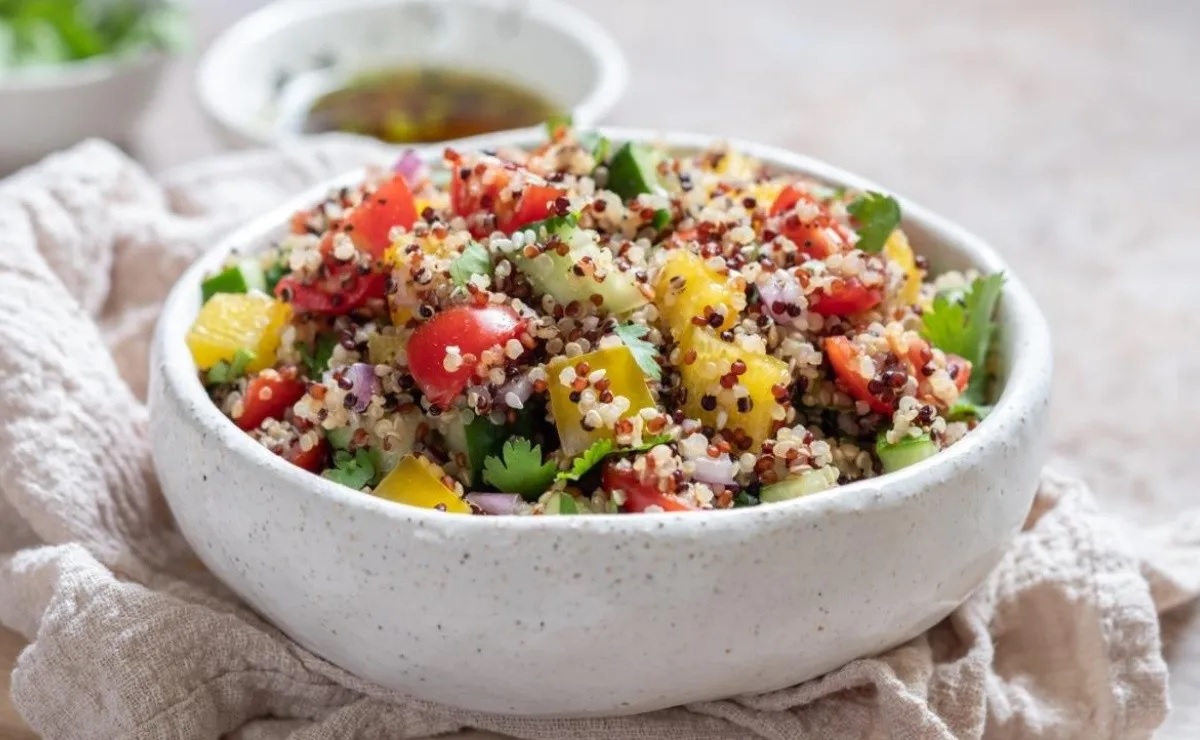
(1066, 133)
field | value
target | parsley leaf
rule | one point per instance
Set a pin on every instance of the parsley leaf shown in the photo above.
(643, 352)
(227, 372)
(353, 471)
(520, 469)
(965, 328)
(602, 448)
(316, 360)
(474, 260)
(877, 216)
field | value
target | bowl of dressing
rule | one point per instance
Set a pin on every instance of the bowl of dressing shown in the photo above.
(407, 71)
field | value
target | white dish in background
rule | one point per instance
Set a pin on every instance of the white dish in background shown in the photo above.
(45, 109)
(603, 614)
(244, 80)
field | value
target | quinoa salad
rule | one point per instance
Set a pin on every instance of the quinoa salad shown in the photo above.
(595, 326)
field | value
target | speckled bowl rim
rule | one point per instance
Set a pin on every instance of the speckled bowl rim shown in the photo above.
(1026, 389)
(613, 69)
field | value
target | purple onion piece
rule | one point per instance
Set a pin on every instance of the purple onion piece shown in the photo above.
(716, 470)
(780, 291)
(498, 504)
(521, 387)
(409, 166)
(364, 384)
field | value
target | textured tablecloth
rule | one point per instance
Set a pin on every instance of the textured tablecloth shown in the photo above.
(1064, 132)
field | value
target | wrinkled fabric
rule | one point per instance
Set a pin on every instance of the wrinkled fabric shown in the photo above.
(132, 638)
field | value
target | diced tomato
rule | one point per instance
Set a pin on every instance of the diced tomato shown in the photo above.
(342, 290)
(787, 199)
(640, 492)
(843, 356)
(371, 222)
(471, 196)
(963, 376)
(846, 297)
(536, 204)
(312, 459)
(269, 395)
(472, 330)
(819, 237)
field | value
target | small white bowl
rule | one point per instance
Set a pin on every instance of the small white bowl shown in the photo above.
(544, 45)
(616, 614)
(46, 109)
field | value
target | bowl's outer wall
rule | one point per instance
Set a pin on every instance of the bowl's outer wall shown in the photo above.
(102, 101)
(595, 615)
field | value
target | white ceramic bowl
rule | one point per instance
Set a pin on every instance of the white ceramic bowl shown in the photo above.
(544, 45)
(46, 109)
(603, 614)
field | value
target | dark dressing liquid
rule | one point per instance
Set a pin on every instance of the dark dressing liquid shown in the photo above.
(427, 105)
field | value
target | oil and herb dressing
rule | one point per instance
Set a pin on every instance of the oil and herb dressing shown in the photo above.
(427, 105)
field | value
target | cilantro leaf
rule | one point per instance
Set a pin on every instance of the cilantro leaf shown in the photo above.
(643, 352)
(474, 260)
(587, 460)
(877, 216)
(353, 471)
(599, 146)
(316, 360)
(520, 469)
(602, 448)
(965, 328)
(227, 372)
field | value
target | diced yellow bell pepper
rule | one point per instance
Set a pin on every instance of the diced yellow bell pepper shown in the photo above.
(624, 377)
(414, 482)
(898, 250)
(714, 358)
(232, 321)
(736, 165)
(686, 285)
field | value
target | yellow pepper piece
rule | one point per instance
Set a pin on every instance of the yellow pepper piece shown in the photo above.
(625, 379)
(687, 285)
(232, 321)
(898, 250)
(714, 359)
(414, 482)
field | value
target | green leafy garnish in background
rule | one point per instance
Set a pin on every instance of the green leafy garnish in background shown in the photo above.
(876, 216)
(643, 352)
(49, 32)
(474, 260)
(602, 448)
(227, 372)
(554, 123)
(353, 471)
(520, 469)
(965, 328)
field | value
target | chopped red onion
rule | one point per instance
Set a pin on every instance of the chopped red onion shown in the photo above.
(518, 389)
(410, 166)
(718, 470)
(364, 384)
(781, 290)
(499, 504)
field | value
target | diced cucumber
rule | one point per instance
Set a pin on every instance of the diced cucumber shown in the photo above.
(633, 171)
(243, 277)
(476, 440)
(808, 482)
(340, 437)
(561, 503)
(907, 451)
(554, 274)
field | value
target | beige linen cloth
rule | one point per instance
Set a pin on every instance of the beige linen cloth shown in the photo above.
(130, 638)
